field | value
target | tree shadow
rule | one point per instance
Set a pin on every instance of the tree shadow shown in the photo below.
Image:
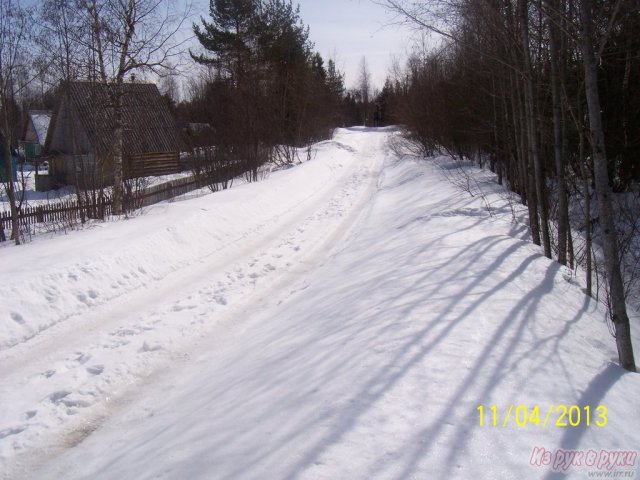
(592, 396)
(300, 361)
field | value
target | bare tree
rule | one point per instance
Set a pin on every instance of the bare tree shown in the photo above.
(603, 192)
(63, 41)
(16, 73)
(129, 36)
(170, 86)
(517, 63)
(532, 128)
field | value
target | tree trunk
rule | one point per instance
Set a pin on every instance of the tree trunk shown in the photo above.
(496, 160)
(558, 129)
(603, 192)
(584, 170)
(10, 186)
(528, 182)
(532, 138)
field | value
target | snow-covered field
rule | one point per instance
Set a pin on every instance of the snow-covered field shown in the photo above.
(343, 319)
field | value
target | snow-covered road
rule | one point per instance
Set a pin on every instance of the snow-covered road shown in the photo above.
(97, 311)
(343, 319)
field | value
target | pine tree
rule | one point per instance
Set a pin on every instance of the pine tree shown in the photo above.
(228, 37)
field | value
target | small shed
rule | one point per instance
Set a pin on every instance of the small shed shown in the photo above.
(81, 136)
(35, 132)
(3, 164)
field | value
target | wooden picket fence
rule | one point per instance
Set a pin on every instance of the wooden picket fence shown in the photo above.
(166, 191)
(67, 212)
(70, 212)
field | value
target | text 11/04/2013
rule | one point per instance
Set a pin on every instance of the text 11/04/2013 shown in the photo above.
(561, 416)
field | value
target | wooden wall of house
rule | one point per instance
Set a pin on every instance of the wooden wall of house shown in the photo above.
(153, 164)
(87, 173)
(69, 135)
(30, 135)
(80, 170)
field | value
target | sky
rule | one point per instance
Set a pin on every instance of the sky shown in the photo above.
(347, 30)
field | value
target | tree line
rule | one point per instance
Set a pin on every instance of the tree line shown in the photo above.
(266, 91)
(547, 92)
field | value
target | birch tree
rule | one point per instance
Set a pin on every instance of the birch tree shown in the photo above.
(617, 298)
(532, 130)
(554, 23)
(16, 72)
(129, 36)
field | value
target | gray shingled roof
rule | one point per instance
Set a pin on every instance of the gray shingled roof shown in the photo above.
(148, 124)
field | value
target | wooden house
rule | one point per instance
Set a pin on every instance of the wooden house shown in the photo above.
(81, 136)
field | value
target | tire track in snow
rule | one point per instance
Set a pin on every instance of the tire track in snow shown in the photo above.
(71, 374)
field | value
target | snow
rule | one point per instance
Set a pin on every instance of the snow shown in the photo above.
(31, 197)
(341, 319)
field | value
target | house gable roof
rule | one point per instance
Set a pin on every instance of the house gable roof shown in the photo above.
(40, 119)
(147, 121)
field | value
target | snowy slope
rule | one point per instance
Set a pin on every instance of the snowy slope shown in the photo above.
(343, 319)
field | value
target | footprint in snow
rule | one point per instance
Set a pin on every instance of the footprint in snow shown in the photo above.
(56, 397)
(147, 347)
(29, 415)
(12, 431)
(123, 332)
(73, 402)
(95, 369)
(16, 317)
(82, 358)
(112, 345)
(220, 300)
(180, 308)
